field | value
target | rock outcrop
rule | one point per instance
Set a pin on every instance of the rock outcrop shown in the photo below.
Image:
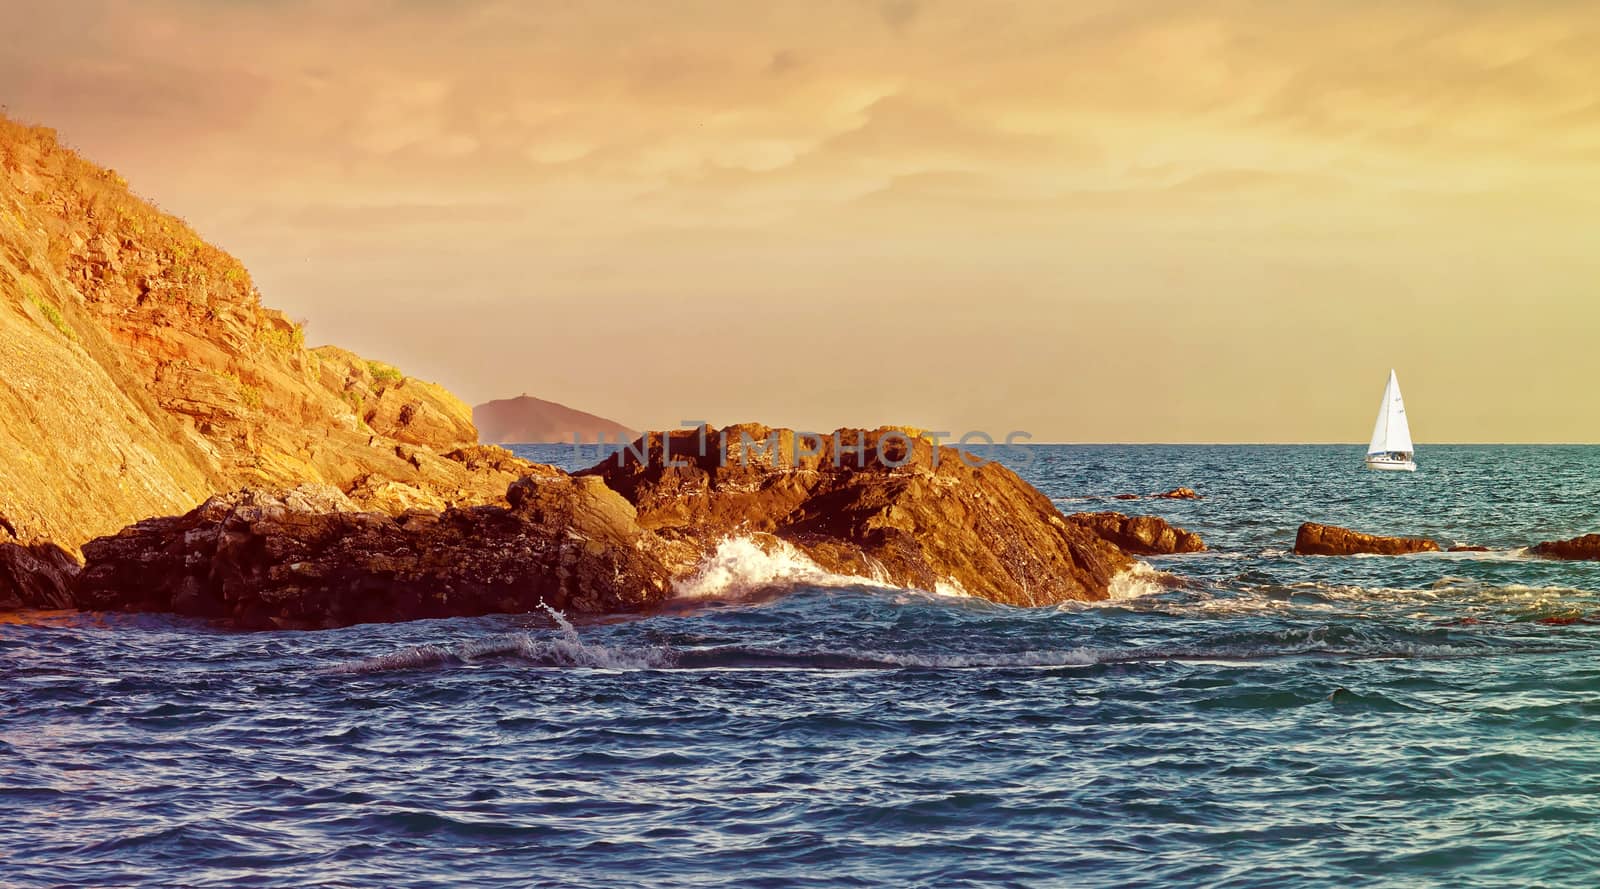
(1578, 549)
(38, 576)
(1329, 540)
(1141, 535)
(529, 420)
(308, 558)
(139, 372)
(884, 504)
(1179, 494)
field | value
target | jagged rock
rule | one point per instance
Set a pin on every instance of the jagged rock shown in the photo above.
(1179, 494)
(1578, 549)
(1329, 540)
(395, 498)
(307, 559)
(395, 406)
(884, 503)
(36, 576)
(1141, 535)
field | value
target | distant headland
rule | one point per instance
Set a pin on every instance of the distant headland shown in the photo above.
(529, 420)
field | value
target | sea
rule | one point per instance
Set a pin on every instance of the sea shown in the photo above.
(1273, 721)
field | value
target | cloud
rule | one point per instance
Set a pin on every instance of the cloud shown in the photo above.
(899, 14)
(783, 61)
(1139, 166)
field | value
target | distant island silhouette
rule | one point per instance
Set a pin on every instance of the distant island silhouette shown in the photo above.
(528, 420)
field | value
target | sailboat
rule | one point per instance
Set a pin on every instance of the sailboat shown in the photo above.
(1391, 448)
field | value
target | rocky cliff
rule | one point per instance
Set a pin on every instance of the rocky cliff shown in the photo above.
(139, 373)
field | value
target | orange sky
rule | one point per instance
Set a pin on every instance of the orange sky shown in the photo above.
(1115, 220)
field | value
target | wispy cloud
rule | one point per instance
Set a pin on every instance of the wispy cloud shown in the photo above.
(1074, 164)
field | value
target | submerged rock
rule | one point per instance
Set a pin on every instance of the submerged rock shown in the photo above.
(1578, 549)
(1141, 535)
(1329, 540)
(308, 559)
(1179, 494)
(1468, 548)
(885, 504)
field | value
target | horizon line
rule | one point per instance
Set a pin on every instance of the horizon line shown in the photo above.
(1087, 443)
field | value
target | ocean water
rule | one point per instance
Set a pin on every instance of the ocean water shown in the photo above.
(1278, 722)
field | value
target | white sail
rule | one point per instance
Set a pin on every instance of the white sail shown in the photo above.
(1392, 433)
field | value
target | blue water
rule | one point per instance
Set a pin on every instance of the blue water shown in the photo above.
(1428, 720)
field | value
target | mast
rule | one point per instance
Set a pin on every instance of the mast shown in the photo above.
(1380, 429)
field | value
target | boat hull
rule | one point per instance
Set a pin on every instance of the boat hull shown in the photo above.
(1382, 465)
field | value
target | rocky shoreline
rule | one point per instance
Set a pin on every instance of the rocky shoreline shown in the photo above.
(140, 375)
(884, 505)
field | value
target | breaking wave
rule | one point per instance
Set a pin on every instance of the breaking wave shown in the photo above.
(743, 565)
(1139, 581)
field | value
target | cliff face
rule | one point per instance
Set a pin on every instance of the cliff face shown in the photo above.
(526, 419)
(140, 373)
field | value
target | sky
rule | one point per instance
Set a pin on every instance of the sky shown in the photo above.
(1089, 220)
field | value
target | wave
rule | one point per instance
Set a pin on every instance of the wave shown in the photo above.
(557, 654)
(743, 565)
(952, 589)
(566, 649)
(1515, 554)
(561, 651)
(1139, 581)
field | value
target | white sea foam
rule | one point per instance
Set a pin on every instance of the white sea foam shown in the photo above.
(1139, 581)
(952, 589)
(742, 565)
(1516, 554)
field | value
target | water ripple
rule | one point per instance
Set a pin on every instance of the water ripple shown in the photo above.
(1278, 722)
